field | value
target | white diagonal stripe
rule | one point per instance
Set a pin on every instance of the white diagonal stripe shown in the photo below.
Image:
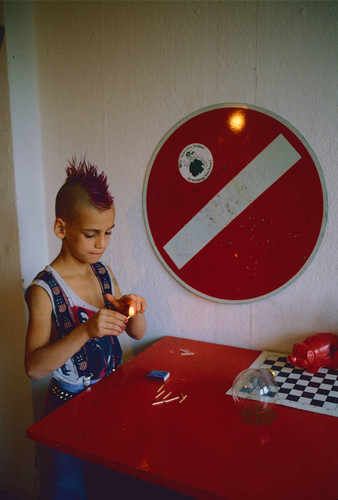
(268, 166)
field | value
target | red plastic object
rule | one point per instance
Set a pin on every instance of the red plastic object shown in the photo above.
(199, 447)
(314, 352)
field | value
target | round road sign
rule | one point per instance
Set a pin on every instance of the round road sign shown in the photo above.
(234, 202)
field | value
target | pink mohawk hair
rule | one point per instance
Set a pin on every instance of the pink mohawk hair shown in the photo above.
(85, 174)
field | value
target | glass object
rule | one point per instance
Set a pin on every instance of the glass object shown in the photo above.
(255, 389)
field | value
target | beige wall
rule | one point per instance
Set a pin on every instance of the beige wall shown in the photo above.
(17, 455)
(112, 79)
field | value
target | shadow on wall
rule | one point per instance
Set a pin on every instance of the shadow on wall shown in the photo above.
(39, 391)
(2, 34)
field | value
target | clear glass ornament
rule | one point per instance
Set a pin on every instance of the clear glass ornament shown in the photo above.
(255, 390)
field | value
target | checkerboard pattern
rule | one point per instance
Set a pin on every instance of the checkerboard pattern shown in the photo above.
(300, 389)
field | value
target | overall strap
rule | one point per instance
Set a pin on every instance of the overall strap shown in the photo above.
(102, 274)
(64, 316)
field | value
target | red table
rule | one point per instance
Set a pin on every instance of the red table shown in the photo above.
(199, 447)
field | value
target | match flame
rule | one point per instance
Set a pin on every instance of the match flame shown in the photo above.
(131, 311)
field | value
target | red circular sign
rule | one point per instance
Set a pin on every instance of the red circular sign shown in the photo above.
(234, 203)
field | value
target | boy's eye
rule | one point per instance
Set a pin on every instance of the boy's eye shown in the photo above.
(107, 233)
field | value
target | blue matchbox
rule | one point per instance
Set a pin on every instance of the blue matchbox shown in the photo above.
(158, 375)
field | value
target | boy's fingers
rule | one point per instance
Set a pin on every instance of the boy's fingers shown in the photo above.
(111, 299)
(131, 303)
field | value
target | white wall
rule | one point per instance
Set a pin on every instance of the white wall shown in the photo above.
(24, 109)
(114, 77)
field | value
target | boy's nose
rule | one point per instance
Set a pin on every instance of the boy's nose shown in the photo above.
(100, 242)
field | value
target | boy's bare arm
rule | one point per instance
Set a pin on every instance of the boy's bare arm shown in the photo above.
(136, 326)
(42, 356)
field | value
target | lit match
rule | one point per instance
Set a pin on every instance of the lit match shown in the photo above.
(131, 312)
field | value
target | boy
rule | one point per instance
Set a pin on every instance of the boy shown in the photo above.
(76, 309)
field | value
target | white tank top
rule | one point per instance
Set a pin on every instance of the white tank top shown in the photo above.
(68, 373)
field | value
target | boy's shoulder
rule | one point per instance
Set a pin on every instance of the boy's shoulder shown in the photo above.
(38, 291)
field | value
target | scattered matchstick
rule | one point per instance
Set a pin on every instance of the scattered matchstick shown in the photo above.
(159, 394)
(172, 399)
(160, 391)
(164, 401)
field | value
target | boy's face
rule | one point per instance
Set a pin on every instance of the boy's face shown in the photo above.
(87, 235)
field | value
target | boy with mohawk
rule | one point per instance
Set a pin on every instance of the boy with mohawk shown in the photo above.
(76, 309)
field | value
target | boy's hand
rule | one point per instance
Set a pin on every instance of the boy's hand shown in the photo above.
(105, 322)
(122, 305)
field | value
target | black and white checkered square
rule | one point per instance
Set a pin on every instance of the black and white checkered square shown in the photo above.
(301, 389)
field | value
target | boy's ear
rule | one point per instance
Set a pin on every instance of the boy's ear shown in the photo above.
(60, 228)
